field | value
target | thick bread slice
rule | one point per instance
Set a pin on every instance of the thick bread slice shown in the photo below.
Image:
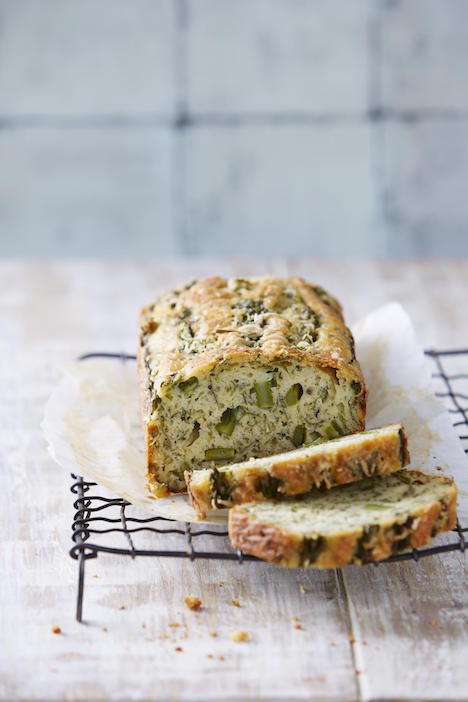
(231, 369)
(344, 460)
(358, 523)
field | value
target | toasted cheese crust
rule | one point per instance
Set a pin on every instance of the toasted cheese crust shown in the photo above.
(229, 351)
(359, 523)
(336, 462)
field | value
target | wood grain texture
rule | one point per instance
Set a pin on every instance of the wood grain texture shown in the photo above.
(53, 312)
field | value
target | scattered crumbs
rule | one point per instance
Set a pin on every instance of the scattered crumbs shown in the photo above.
(351, 639)
(56, 629)
(209, 655)
(104, 628)
(122, 607)
(236, 603)
(303, 589)
(220, 584)
(332, 643)
(192, 602)
(95, 577)
(358, 672)
(238, 636)
(221, 658)
(143, 626)
(294, 618)
(213, 633)
(164, 635)
(178, 649)
(297, 625)
(174, 625)
(434, 622)
(439, 468)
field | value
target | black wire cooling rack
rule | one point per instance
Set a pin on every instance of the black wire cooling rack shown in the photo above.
(106, 524)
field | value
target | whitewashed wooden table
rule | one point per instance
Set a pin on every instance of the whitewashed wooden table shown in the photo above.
(409, 622)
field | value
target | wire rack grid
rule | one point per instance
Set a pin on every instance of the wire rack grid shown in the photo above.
(100, 518)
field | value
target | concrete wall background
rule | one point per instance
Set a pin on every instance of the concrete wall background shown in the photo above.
(221, 127)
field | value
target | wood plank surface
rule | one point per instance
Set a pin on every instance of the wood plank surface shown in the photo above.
(408, 621)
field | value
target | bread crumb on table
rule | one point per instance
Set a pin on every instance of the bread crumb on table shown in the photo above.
(178, 649)
(122, 607)
(236, 603)
(294, 618)
(238, 636)
(303, 589)
(213, 633)
(56, 629)
(297, 625)
(174, 625)
(192, 602)
(351, 639)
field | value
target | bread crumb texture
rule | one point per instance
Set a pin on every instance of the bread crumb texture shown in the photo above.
(238, 636)
(193, 602)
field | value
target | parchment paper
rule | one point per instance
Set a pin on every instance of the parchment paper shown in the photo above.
(92, 423)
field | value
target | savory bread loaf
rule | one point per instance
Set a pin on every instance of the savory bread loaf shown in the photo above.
(335, 462)
(366, 521)
(233, 369)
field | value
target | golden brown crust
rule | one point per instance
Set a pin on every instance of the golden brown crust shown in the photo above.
(333, 463)
(271, 543)
(149, 430)
(264, 541)
(197, 495)
(217, 323)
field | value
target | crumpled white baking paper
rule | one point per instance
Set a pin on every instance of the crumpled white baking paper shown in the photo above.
(92, 424)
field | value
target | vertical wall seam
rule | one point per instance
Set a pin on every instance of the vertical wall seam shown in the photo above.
(179, 124)
(378, 117)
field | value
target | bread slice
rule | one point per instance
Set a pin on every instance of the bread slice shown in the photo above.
(336, 462)
(358, 523)
(236, 368)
